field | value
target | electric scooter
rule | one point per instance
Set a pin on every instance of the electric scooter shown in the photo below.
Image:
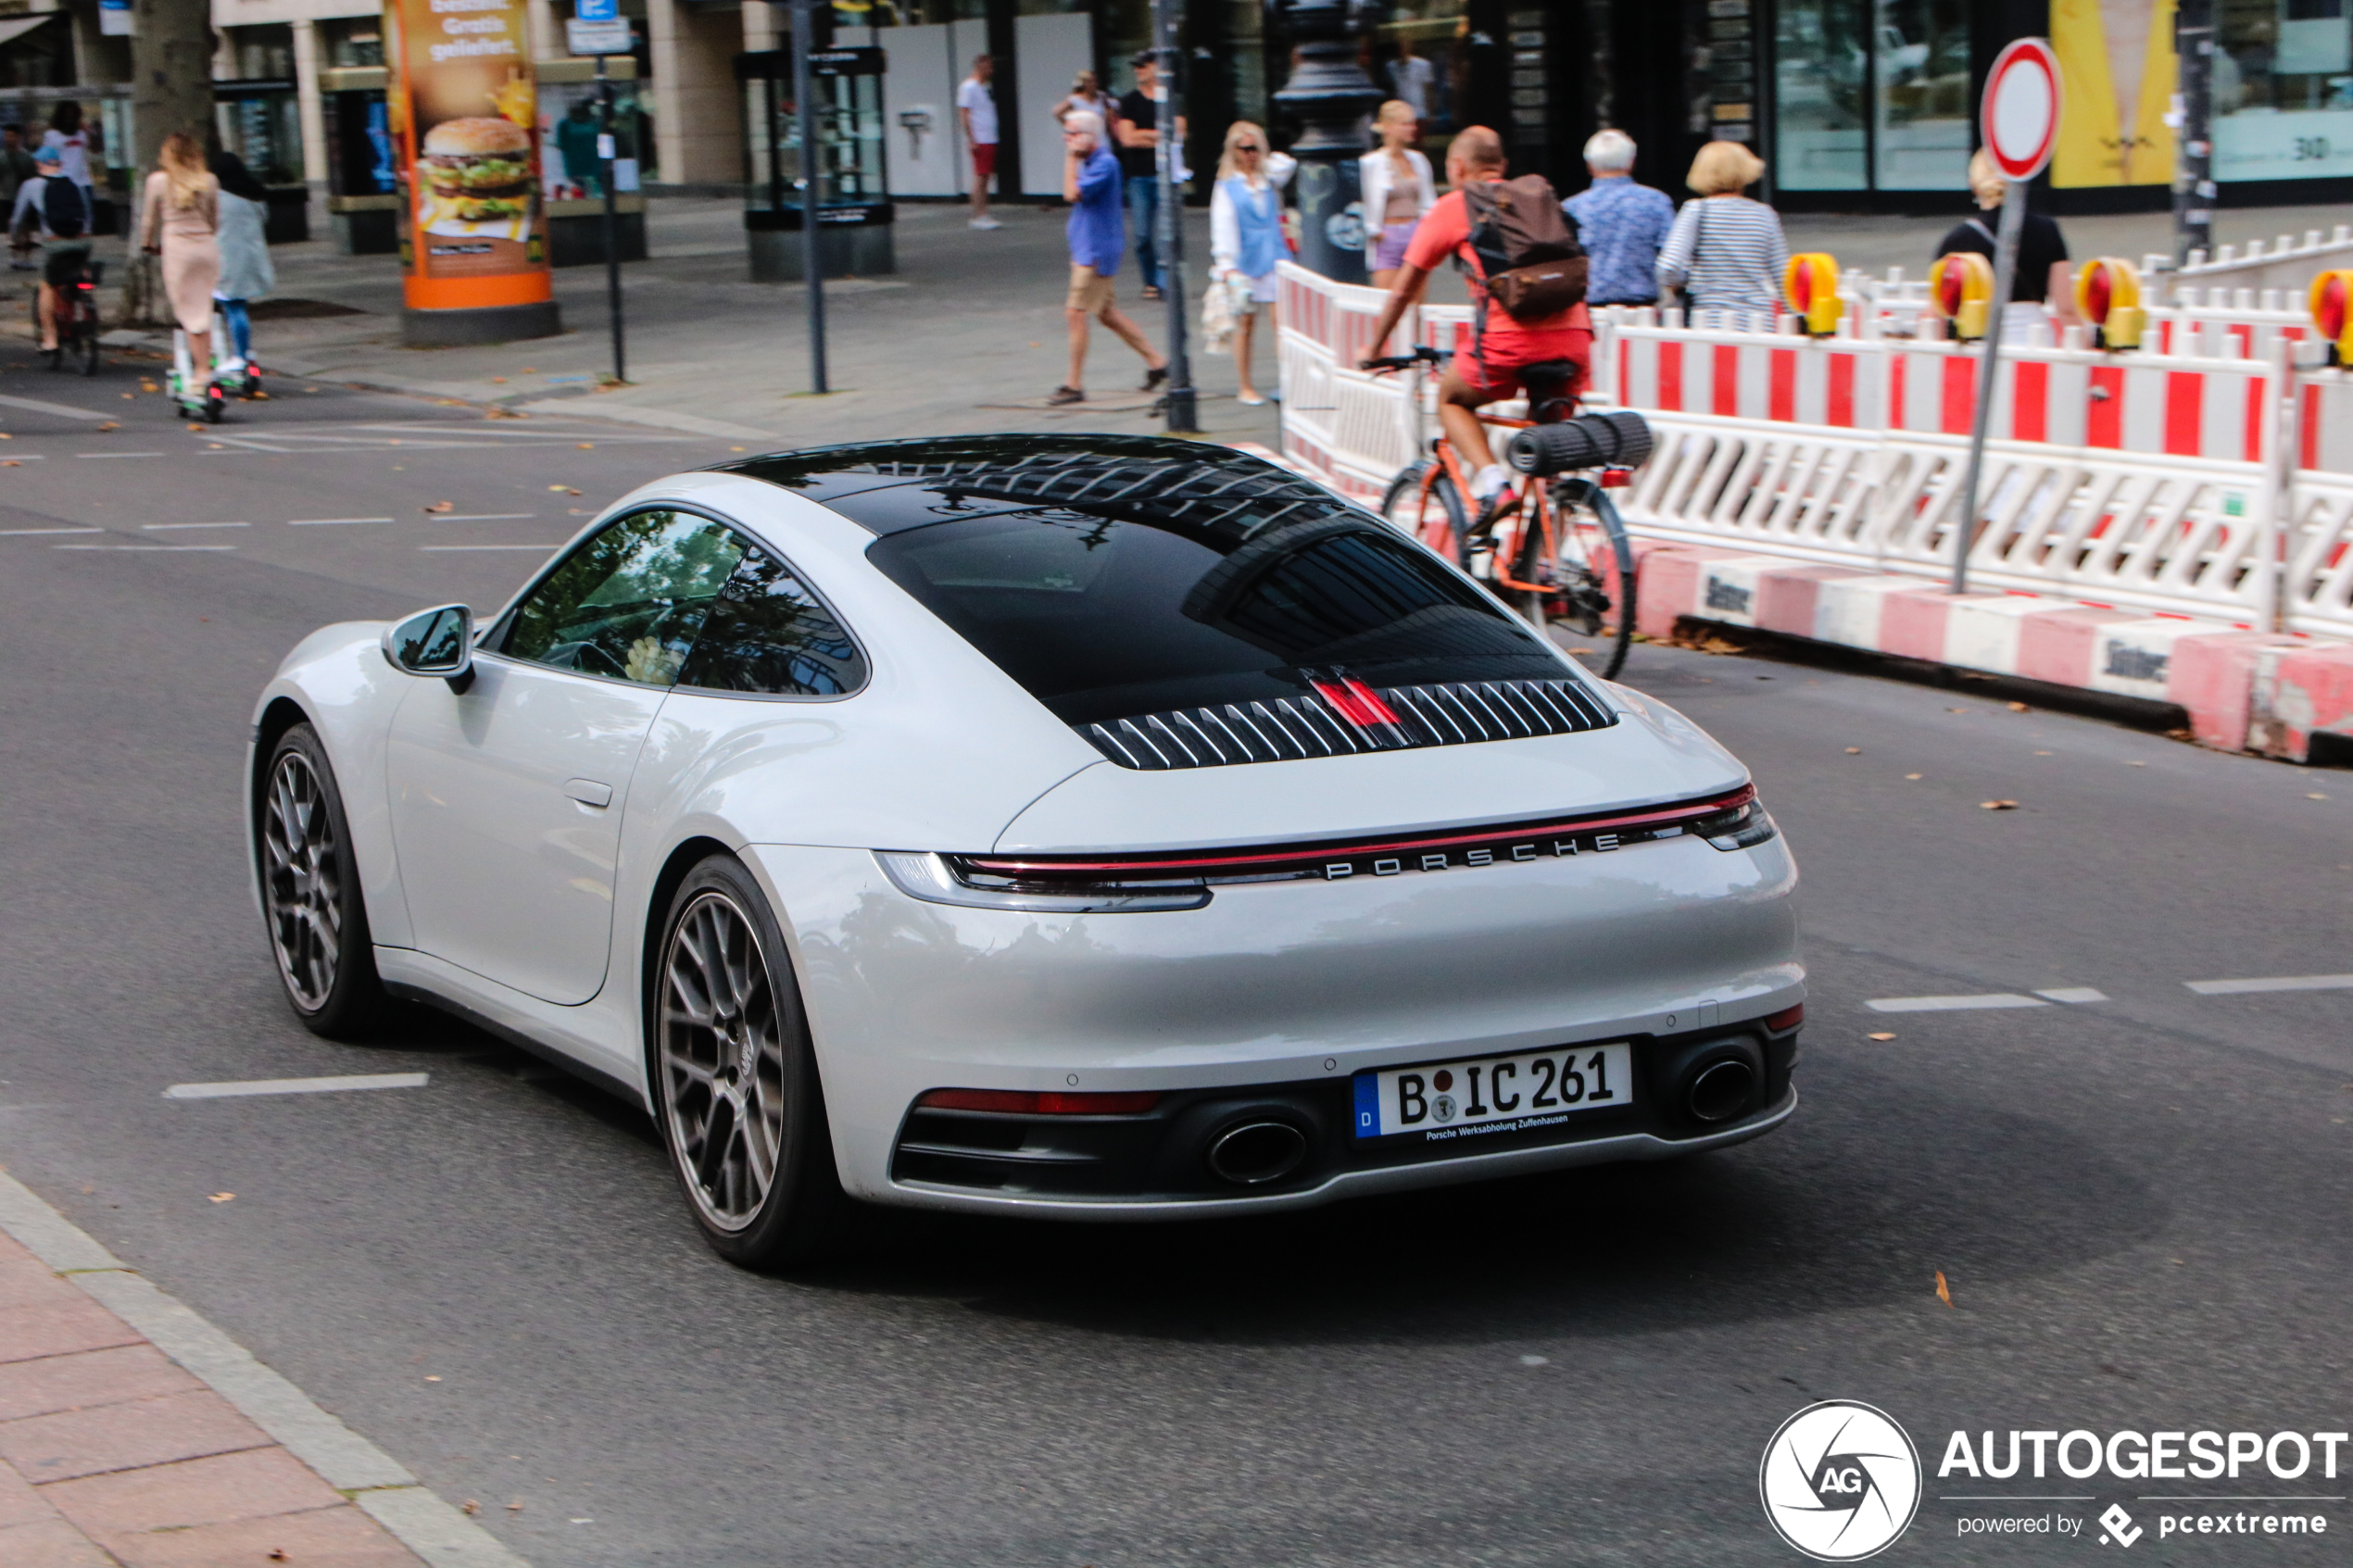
(228, 374)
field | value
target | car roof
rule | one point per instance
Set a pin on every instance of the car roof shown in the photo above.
(889, 486)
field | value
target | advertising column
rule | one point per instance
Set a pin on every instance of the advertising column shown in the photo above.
(463, 116)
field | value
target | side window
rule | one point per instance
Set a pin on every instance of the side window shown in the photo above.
(627, 603)
(767, 634)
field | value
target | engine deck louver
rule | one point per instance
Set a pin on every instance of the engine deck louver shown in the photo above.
(1287, 729)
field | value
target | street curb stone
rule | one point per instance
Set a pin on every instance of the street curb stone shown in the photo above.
(378, 1484)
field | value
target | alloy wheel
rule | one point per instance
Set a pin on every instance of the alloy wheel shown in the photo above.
(721, 1061)
(303, 873)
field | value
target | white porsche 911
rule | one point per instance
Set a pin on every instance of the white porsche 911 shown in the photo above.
(1083, 826)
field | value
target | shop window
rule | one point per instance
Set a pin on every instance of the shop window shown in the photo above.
(1923, 104)
(353, 41)
(1419, 58)
(264, 54)
(2283, 90)
(1820, 83)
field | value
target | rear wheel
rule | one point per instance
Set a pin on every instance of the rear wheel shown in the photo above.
(735, 1078)
(311, 892)
(1594, 574)
(1429, 509)
(88, 332)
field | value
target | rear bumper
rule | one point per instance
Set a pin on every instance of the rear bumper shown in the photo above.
(1356, 1183)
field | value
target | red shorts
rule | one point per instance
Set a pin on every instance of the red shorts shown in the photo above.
(1494, 371)
(984, 160)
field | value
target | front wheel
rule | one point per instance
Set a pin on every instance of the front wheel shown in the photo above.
(1426, 507)
(734, 1077)
(311, 892)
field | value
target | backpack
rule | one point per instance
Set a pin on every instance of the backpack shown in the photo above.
(63, 211)
(1527, 253)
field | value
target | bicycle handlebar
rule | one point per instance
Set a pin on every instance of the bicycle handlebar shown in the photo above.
(1422, 354)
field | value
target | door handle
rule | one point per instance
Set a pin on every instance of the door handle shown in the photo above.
(588, 792)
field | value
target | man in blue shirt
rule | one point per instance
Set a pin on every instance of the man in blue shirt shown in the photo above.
(1621, 225)
(1091, 186)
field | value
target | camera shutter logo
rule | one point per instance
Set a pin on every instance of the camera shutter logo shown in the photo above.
(1840, 1481)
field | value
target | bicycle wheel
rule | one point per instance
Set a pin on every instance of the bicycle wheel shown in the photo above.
(1594, 575)
(1431, 512)
(87, 333)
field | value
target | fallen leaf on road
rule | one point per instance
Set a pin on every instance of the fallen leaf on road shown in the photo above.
(111, 424)
(515, 1507)
(499, 381)
(433, 1379)
(127, 396)
(735, 448)
(258, 397)
(470, 1507)
(1997, 805)
(587, 446)
(277, 1554)
(529, 372)
(1956, 711)
(1944, 1291)
(442, 507)
(1915, 776)
(2136, 764)
(1853, 751)
(6, 436)
(222, 1196)
(1882, 1035)
(147, 386)
(9, 463)
(559, 489)
(451, 402)
(2019, 707)
(197, 428)
(2316, 798)
(504, 414)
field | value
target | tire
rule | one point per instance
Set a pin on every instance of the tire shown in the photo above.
(89, 348)
(1437, 520)
(734, 1077)
(312, 906)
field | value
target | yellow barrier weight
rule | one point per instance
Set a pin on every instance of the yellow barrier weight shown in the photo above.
(2331, 303)
(1960, 289)
(2107, 291)
(1810, 285)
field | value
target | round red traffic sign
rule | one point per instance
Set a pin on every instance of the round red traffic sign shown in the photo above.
(2019, 117)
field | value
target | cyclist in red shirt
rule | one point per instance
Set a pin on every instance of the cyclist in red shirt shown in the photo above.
(1493, 365)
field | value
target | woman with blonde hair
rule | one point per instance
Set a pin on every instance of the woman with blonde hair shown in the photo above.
(2044, 286)
(180, 220)
(1725, 251)
(1246, 235)
(1086, 93)
(1398, 189)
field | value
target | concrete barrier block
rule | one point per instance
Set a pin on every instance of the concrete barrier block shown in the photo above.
(1788, 596)
(2311, 693)
(1669, 585)
(1912, 624)
(1983, 634)
(2135, 657)
(2217, 677)
(2059, 646)
(1848, 611)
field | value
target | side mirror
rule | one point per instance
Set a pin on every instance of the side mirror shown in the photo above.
(439, 641)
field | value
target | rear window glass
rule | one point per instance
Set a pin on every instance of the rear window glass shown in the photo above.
(1102, 617)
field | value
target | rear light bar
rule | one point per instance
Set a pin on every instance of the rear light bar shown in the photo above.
(1052, 1102)
(1785, 1020)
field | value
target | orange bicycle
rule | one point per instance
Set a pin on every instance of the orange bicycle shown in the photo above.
(1552, 547)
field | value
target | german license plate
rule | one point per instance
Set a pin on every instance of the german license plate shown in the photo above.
(1467, 1100)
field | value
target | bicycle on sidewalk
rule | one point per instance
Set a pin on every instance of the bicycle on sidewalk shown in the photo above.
(1552, 547)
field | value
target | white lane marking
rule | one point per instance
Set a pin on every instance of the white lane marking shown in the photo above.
(158, 527)
(1953, 1004)
(161, 547)
(2273, 982)
(296, 1085)
(489, 517)
(28, 458)
(34, 406)
(378, 1484)
(120, 454)
(330, 522)
(2072, 994)
(28, 533)
(444, 548)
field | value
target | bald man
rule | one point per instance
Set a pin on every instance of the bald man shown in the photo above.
(1492, 366)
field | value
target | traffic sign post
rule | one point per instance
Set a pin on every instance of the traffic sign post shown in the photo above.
(2018, 120)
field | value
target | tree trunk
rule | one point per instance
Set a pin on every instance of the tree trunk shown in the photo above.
(171, 90)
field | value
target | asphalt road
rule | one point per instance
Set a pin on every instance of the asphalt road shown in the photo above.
(2138, 1203)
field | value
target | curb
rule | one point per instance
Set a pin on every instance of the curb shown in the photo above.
(2258, 692)
(375, 1482)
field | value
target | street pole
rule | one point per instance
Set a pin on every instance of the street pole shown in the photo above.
(1331, 95)
(606, 149)
(2194, 130)
(1181, 405)
(804, 40)
(2004, 274)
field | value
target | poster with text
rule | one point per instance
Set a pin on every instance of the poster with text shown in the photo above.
(2116, 64)
(464, 115)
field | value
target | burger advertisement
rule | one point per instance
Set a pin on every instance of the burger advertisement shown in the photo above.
(464, 111)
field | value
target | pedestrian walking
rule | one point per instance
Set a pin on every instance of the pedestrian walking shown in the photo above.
(1726, 252)
(1086, 93)
(1091, 184)
(1622, 225)
(245, 270)
(1398, 188)
(1246, 236)
(976, 107)
(68, 134)
(2043, 288)
(1138, 134)
(15, 168)
(50, 207)
(180, 219)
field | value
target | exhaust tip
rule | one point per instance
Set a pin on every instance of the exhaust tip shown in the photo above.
(1257, 1152)
(1720, 1091)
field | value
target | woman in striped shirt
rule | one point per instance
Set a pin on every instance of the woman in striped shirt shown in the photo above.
(1725, 251)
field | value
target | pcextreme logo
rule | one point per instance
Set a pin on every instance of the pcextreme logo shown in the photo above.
(1840, 1481)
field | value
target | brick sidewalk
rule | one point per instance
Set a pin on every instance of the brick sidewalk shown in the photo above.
(111, 1454)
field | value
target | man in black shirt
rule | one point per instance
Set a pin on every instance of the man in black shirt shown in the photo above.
(2045, 280)
(1138, 135)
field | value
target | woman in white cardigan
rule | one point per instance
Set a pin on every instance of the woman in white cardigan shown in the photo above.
(1398, 188)
(1246, 236)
